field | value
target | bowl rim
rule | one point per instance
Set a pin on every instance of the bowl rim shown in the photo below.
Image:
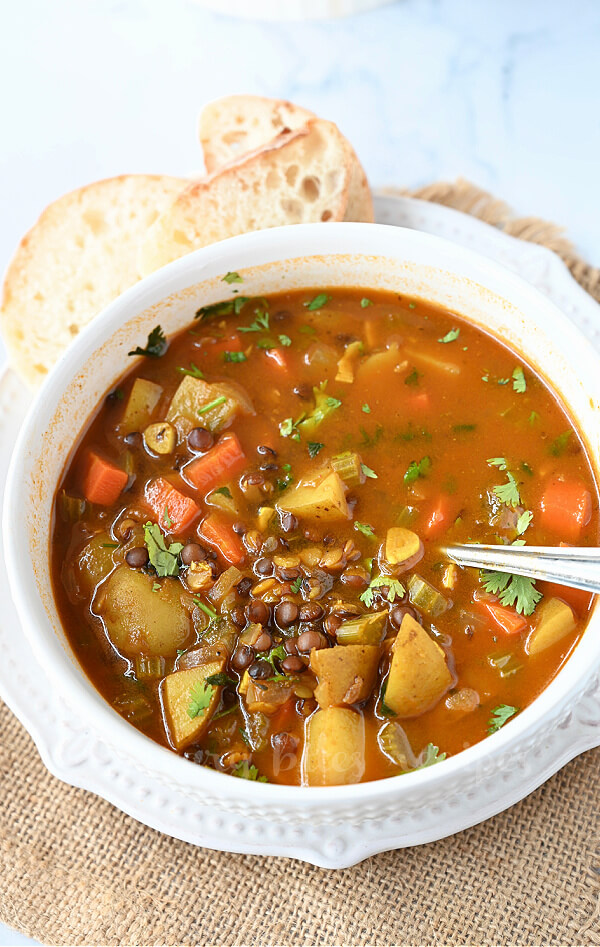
(70, 677)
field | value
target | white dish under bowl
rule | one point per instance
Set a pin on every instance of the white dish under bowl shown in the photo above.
(427, 804)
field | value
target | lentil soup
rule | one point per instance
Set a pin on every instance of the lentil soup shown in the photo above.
(246, 541)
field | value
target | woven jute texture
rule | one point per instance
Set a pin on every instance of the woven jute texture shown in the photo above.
(73, 870)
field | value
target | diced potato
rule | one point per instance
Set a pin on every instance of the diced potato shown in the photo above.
(264, 516)
(430, 361)
(347, 363)
(419, 675)
(222, 501)
(555, 620)
(324, 501)
(334, 750)
(346, 673)
(400, 545)
(139, 620)
(179, 693)
(366, 629)
(194, 394)
(94, 563)
(379, 365)
(141, 403)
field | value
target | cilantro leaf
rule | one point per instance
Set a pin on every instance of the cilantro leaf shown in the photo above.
(333, 402)
(245, 770)
(364, 528)
(166, 518)
(366, 409)
(517, 590)
(499, 462)
(508, 493)
(365, 302)
(559, 445)
(524, 521)
(200, 697)
(430, 755)
(314, 447)
(232, 278)
(519, 383)
(396, 589)
(417, 469)
(368, 472)
(499, 717)
(164, 559)
(450, 336)
(285, 340)
(155, 346)
(224, 491)
(220, 680)
(234, 357)
(413, 378)
(225, 308)
(260, 324)
(289, 428)
(296, 584)
(318, 302)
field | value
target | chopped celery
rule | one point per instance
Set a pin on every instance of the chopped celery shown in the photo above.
(71, 508)
(366, 629)
(505, 664)
(137, 710)
(149, 666)
(348, 467)
(324, 406)
(406, 516)
(425, 597)
(394, 743)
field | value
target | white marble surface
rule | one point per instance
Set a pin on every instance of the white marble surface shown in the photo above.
(502, 92)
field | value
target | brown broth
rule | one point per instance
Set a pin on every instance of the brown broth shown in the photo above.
(459, 416)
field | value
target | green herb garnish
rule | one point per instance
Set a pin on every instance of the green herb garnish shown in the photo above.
(519, 383)
(212, 404)
(200, 697)
(245, 770)
(450, 336)
(155, 346)
(366, 409)
(413, 378)
(396, 589)
(365, 302)
(260, 324)
(193, 370)
(220, 680)
(417, 469)
(559, 445)
(314, 447)
(232, 278)
(285, 340)
(431, 754)
(166, 518)
(517, 590)
(318, 302)
(296, 584)
(499, 717)
(205, 608)
(225, 308)
(224, 491)
(234, 357)
(364, 528)
(164, 559)
(368, 472)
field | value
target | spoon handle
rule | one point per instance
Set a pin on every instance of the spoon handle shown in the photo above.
(576, 566)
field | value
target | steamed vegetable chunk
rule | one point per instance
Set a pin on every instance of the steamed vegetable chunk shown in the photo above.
(324, 500)
(215, 405)
(248, 548)
(346, 673)
(141, 620)
(190, 701)
(419, 674)
(334, 753)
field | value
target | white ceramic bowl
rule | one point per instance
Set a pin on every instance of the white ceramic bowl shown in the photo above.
(455, 793)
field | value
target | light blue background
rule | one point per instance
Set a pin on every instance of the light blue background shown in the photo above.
(501, 92)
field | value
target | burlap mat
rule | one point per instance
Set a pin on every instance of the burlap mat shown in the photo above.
(73, 870)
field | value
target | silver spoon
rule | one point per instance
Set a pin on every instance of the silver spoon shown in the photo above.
(576, 566)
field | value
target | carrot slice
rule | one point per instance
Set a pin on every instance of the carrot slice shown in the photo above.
(507, 619)
(566, 507)
(219, 533)
(102, 481)
(278, 358)
(173, 510)
(221, 462)
(439, 517)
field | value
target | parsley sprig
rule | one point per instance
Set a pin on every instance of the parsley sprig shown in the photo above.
(500, 715)
(155, 346)
(396, 589)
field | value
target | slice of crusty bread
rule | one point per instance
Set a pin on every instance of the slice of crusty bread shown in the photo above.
(300, 177)
(78, 257)
(231, 126)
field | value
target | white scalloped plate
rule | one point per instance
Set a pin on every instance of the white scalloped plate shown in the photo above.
(78, 756)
